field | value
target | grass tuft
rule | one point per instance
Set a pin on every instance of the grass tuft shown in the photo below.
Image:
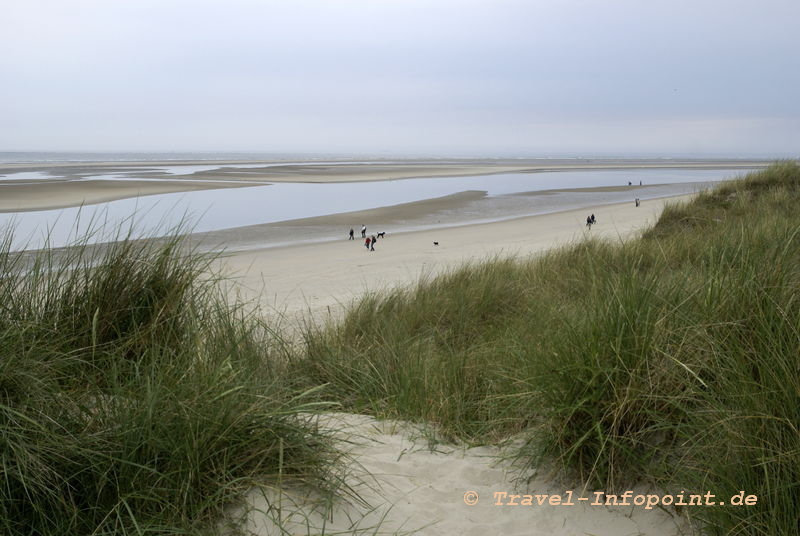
(134, 399)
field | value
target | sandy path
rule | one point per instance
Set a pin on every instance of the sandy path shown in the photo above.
(409, 487)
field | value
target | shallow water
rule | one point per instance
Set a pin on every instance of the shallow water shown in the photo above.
(210, 210)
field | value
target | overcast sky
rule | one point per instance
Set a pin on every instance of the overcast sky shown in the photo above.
(435, 77)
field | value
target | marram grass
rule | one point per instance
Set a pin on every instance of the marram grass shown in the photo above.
(134, 399)
(672, 359)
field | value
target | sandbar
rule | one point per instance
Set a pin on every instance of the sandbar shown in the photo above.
(82, 183)
(16, 197)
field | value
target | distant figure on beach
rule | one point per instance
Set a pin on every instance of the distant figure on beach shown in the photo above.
(593, 220)
(630, 183)
(640, 183)
(363, 231)
(637, 201)
(589, 222)
(352, 234)
(367, 242)
(372, 244)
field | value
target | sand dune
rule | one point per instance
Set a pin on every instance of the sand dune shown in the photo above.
(405, 485)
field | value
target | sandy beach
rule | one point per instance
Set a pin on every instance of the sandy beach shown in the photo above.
(321, 278)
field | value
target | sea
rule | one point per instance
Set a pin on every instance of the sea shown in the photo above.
(507, 195)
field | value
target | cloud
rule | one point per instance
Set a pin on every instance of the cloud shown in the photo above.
(359, 75)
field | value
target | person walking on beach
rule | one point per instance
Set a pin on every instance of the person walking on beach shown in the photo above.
(593, 220)
(352, 234)
(363, 231)
(372, 244)
(589, 222)
(367, 243)
(637, 201)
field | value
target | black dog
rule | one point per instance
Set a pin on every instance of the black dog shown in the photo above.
(382, 234)
(436, 243)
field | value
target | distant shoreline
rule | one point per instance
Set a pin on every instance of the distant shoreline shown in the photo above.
(540, 164)
(74, 184)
